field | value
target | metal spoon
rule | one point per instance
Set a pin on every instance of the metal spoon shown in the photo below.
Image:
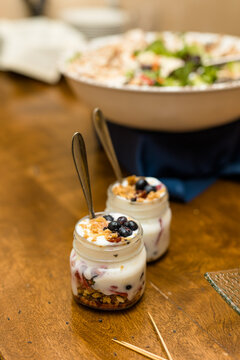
(105, 138)
(80, 161)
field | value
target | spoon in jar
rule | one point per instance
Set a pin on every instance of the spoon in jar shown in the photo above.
(80, 161)
(106, 141)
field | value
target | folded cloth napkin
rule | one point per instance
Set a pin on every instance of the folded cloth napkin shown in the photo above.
(34, 46)
(186, 162)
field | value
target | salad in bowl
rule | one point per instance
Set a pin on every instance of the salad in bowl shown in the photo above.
(159, 60)
(159, 81)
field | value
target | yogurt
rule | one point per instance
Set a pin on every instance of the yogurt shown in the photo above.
(149, 204)
(108, 267)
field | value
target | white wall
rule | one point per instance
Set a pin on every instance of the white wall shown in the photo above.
(205, 15)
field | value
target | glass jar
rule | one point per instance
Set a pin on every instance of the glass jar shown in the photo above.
(154, 216)
(108, 276)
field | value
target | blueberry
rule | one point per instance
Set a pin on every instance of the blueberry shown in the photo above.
(133, 199)
(113, 226)
(108, 217)
(128, 287)
(132, 225)
(150, 188)
(140, 184)
(124, 232)
(121, 220)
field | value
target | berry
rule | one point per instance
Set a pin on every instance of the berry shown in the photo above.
(128, 287)
(132, 225)
(133, 199)
(124, 232)
(121, 220)
(108, 217)
(113, 226)
(150, 188)
(140, 184)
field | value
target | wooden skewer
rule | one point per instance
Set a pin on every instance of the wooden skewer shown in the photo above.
(160, 337)
(139, 350)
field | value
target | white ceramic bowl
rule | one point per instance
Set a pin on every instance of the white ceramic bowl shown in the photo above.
(96, 21)
(161, 108)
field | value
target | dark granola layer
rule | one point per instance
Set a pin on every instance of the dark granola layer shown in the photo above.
(98, 300)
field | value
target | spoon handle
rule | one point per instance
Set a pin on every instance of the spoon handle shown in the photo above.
(105, 138)
(80, 161)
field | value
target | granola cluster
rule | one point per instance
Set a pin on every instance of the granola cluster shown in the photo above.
(137, 189)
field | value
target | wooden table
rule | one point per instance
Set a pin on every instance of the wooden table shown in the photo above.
(41, 200)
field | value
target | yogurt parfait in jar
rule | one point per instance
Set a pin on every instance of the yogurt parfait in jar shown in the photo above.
(108, 261)
(145, 198)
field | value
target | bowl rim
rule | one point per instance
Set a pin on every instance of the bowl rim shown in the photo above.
(145, 89)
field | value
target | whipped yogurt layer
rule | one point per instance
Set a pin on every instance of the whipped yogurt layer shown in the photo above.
(108, 230)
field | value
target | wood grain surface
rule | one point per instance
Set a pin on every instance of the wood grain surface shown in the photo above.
(40, 202)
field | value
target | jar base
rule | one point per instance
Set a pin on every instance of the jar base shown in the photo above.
(97, 305)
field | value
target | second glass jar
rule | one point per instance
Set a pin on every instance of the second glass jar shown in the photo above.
(154, 216)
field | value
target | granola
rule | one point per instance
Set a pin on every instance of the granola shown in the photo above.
(128, 189)
(86, 295)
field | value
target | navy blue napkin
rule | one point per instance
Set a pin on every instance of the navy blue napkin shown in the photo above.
(187, 163)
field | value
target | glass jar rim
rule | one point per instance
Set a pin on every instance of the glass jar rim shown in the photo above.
(124, 248)
(159, 200)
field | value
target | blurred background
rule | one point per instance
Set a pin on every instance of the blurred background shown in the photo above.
(201, 15)
(38, 47)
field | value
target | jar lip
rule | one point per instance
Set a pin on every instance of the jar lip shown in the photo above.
(161, 199)
(109, 248)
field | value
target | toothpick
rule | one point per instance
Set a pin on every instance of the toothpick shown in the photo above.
(139, 350)
(160, 337)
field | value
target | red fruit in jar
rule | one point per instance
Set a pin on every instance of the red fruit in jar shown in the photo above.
(77, 275)
(84, 282)
(161, 231)
(123, 294)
